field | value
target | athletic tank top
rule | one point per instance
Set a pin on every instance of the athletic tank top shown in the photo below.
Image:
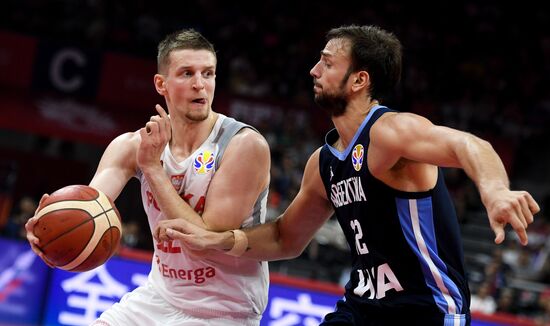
(405, 246)
(215, 285)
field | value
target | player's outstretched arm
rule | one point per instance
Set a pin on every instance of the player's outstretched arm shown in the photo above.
(282, 239)
(409, 136)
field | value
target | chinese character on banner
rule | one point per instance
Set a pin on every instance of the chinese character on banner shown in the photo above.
(79, 298)
(87, 296)
(292, 307)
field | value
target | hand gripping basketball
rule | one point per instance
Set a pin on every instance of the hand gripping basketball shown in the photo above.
(79, 228)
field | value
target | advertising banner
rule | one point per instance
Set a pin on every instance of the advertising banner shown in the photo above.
(79, 298)
(23, 278)
(289, 306)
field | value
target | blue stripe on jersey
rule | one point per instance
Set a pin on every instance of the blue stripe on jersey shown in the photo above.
(342, 155)
(416, 220)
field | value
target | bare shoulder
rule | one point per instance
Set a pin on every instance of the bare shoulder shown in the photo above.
(249, 140)
(399, 121)
(250, 147)
(124, 147)
(128, 139)
(311, 171)
(314, 157)
(395, 126)
(312, 175)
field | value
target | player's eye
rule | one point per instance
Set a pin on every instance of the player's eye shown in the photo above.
(325, 63)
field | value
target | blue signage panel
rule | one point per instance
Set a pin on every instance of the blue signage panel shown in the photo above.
(23, 278)
(289, 306)
(79, 298)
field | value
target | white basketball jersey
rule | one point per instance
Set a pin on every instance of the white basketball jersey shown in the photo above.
(215, 285)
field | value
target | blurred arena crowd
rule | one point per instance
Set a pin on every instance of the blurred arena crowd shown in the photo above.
(479, 67)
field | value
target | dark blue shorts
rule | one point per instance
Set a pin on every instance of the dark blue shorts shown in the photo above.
(350, 314)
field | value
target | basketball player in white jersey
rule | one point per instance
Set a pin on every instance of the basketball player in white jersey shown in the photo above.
(196, 165)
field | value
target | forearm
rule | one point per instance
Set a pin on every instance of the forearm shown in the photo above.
(168, 200)
(284, 238)
(110, 183)
(264, 243)
(483, 165)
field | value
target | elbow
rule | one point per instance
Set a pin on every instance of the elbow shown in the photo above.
(289, 247)
(488, 145)
(292, 253)
(478, 142)
(292, 249)
(482, 143)
(471, 146)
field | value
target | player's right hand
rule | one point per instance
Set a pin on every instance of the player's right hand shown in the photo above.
(506, 206)
(33, 240)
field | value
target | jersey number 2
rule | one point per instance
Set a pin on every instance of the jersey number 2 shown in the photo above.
(361, 247)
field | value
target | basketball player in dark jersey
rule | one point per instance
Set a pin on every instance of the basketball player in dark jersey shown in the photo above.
(379, 172)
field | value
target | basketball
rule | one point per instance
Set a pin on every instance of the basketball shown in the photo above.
(78, 227)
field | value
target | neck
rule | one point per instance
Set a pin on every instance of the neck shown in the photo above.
(348, 123)
(188, 135)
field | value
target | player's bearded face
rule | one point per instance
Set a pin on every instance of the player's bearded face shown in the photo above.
(333, 101)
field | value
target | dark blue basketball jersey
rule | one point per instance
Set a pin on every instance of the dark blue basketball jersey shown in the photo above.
(405, 246)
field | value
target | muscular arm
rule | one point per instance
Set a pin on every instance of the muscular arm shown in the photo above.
(241, 178)
(117, 165)
(284, 238)
(398, 136)
(415, 138)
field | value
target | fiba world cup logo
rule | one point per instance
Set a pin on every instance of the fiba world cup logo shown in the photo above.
(357, 157)
(204, 162)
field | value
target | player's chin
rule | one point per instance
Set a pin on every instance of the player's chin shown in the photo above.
(198, 115)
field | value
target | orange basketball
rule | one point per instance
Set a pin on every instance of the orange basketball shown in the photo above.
(78, 227)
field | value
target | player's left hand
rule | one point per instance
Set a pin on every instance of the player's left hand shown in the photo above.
(154, 137)
(510, 207)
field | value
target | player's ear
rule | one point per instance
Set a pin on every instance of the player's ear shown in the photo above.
(360, 80)
(158, 79)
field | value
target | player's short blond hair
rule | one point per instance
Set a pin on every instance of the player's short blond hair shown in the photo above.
(180, 40)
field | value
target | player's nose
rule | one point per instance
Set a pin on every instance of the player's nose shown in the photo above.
(314, 72)
(198, 82)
